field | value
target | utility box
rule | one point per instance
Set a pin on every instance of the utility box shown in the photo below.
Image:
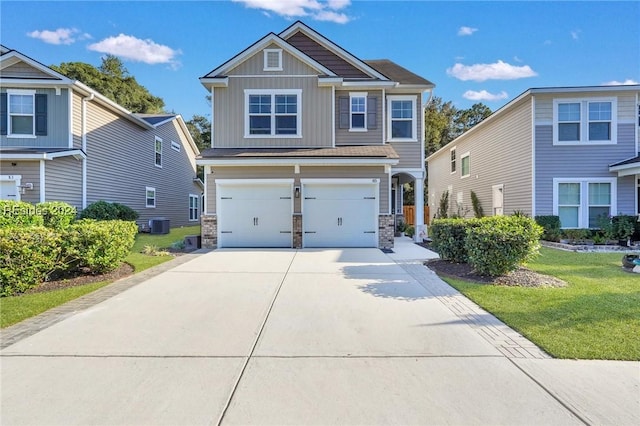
(159, 225)
(192, 242)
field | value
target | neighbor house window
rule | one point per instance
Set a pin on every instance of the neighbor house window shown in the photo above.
(402, 121)
(175, 146)
(150, 197)
(158, 150)
(21, 109)
(272, 113)
(452, 153)
(584, 121)
(464, 165)
(194, 207)
(358, 111)
(580, 203)
(272, 60)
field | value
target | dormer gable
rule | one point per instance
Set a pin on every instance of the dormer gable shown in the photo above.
(15, 65)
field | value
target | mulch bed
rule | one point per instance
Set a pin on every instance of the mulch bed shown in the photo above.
(81, 279)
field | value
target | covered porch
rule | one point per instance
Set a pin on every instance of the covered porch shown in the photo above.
(414, 213)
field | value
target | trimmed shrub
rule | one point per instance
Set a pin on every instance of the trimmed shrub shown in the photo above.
(56, 214)
(27, 256)
(98, 245)
(499, 244)
(19, 213)
(101, 210)
(449, 237)
(550, 227)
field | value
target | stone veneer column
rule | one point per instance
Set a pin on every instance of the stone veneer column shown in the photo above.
(297, 230)
(386, 231)
(209, 231)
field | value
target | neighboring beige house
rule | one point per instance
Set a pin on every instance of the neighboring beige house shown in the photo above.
(62, 141)
(566, 151)
(310, 145)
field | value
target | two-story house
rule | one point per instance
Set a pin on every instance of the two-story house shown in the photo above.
(566, 151)
(62, 141)
(310, 145)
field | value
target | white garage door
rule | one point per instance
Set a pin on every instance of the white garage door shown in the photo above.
(254, 215)
(340, 215)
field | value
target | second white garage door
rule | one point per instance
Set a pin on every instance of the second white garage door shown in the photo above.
(340, 214)
(254, 214)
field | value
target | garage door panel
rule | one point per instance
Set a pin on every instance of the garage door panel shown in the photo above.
(255, 216)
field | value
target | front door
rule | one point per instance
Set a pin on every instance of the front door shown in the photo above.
(9, 188)
(498, 199)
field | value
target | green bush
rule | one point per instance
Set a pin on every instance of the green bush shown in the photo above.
(477, 207)
(19, 213)
(27, 256)
(56, 214)
(550, 227)
(449, 237)
(576, 234)
(98, 245)
(102, 210)
(624, 226)
(498, 244)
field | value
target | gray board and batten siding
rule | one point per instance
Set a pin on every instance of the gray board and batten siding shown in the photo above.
(306, 172)
(373, 134)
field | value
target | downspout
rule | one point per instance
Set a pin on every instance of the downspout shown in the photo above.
(84, 148)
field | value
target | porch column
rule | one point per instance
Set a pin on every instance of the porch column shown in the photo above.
(418, 193)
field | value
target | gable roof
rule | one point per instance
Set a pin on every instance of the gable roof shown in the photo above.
(9, 57)
(157, 120)
(397, 73)
(265, 41)
(299, 27)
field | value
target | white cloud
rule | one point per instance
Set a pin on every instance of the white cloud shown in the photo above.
(135, 49)
(59, 36)
(466, 31)
(628, 81)
(320, 10)
(483, 95)
(575, 34)
(496, 71)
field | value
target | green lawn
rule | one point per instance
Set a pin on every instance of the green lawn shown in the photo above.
(18, 308)
(596, 317)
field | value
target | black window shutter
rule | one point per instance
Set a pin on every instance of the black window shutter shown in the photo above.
(343, 103)
(41, 115)
(3, 114)
(372, 112)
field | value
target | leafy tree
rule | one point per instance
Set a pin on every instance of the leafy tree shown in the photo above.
(439, 124)
(200, 129)
(465, 119)
(113, 80)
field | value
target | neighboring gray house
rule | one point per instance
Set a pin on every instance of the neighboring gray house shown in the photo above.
(566, 151)
(310, 145)
(62, 141)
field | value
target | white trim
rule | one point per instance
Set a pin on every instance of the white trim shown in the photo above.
(414, 173)
(333, 116)
(256, 181)
(462, 157)
(300, 161)
(583, 209)
(198, 207)
(176, 146)
(637, 179)
(455, 160)
(339, 181)
(533, 156)
(359, 95)
(21, 92)
(266, 66)
(584, 120)
(59, 78)
(414, 118)
(70, 123)
(207, 171)
(384, 116)
(273, 93)
(155, 197)
(274, 76)
(45, 156)
(155, 152)
(42, 182)
(213, 114)
(84, 183)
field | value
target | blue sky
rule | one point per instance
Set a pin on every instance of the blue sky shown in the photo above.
(486, 52)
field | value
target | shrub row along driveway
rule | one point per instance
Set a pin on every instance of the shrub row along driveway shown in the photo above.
(290, 337)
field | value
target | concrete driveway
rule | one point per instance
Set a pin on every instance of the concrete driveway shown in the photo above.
(349, 336)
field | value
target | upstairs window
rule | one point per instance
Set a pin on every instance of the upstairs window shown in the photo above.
(158, 149)
(23, 113)
(402, 118)
(272, 60)
(272, 113)
(584, 121)
(452, 154)
(358, 111)
(464, 165)
(150, 198)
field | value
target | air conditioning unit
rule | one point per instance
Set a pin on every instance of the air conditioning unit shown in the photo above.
(159, 225)
(192, 242)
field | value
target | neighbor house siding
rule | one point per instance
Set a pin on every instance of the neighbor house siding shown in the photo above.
(63, 181)
(255, 66)
(579, 161)
(371, 136)
(499, 154)
(77, 121)
(23, 70)
(229, 113)
(57, 123)
(306, 172)
(29, 172)
(544, 104)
